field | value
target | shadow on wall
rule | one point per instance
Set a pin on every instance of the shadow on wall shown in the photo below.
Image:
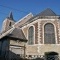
(51, 56)
(10, 56)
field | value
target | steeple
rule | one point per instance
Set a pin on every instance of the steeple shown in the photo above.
(8, 22)
(10, 16)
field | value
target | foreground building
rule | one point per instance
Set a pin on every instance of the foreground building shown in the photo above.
(12, 41)
(42, 32)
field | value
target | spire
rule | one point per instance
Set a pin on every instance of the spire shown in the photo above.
(10, 16)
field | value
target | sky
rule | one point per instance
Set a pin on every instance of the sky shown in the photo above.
(20, 8)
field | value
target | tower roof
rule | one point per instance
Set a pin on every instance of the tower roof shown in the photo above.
(47, 12)
(10, 16)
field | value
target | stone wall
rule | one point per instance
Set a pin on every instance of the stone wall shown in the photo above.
(41, 49)
(16, 49)
(31, 50)
(49, 48)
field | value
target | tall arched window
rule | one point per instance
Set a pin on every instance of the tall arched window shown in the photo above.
(31, 35)
(49, 34)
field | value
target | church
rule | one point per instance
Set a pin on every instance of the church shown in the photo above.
(39, 34)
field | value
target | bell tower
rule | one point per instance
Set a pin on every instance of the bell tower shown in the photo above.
(8, 22)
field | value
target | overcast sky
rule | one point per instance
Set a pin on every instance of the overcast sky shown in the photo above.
(20, 8)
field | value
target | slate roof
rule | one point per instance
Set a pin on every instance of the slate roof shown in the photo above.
(14, 33)
(10, 16)
(17, 33)
(47, 12)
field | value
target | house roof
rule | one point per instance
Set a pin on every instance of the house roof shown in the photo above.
(14, 33)
(17, 33)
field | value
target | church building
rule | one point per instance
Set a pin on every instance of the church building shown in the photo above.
(40, 34)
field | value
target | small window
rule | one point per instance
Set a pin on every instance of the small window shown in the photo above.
(10, 24)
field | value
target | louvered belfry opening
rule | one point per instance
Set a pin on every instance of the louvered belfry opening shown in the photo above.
(49, 34)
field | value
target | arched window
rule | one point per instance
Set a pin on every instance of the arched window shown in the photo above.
(49, 34)
(31, 35)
